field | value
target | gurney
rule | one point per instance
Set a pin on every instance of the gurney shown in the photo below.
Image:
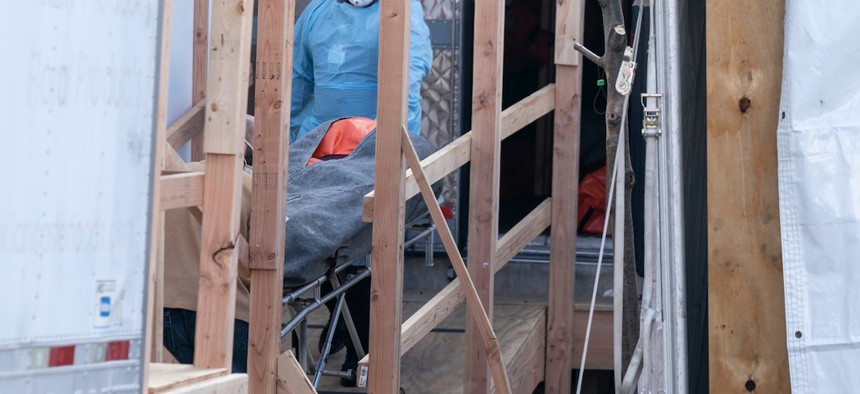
(325, 232)
(324, 205)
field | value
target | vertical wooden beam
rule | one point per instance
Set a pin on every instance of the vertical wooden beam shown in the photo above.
(268, 204)
(746, 307)
(153, 330)
(225, 118)
(157, 270)
(386, 291)
(565, 184)
(216, 302)
(565, 168)
(484, 177)
(200, 59)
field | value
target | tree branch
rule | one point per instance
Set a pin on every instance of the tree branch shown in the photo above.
(588, 54)
(615, 41)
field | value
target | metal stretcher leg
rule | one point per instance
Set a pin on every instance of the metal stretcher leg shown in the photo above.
(327, 345)
(350, 323)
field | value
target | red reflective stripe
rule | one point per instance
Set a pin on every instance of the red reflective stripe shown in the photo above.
(117, 351)
(63, 355)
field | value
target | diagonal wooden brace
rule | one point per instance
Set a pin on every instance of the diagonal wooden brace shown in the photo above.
(473, 302)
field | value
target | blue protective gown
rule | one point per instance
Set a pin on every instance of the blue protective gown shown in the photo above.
(335, 64)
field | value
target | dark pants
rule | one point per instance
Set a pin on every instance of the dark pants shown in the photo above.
(179, 338)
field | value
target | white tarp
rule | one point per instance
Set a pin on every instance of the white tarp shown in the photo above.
(819, 187)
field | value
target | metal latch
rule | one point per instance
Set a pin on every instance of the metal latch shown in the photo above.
(651, 116)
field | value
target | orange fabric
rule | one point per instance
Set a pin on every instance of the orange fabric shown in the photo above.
(592, 196)
(342, 137)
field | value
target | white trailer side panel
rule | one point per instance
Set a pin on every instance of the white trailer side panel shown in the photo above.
(77, 98)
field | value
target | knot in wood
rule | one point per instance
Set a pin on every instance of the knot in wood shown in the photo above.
(481, 101)
(744, 104)
(489, 47)
(219, 254)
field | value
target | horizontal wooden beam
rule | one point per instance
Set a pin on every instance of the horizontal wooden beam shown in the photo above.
(446, 301)
(181, 190)
(430, 315)
(524, 232)
(236, 383)
(528, 110)
(457, 153)
(436, 166)
(189, 125)
(600, 342)
(167, 377)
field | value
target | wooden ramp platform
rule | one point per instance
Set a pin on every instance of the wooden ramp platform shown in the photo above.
(435, 364)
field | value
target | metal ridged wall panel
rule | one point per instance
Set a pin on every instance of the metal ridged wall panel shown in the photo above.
(439, 112)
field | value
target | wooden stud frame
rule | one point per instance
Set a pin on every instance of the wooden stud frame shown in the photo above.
(457, 153)
(200, 67)
(155, 300)
(483, 230)
(385, 206)
(565, 185)
(220, 192)
(386, 292)
(487, 253)
(268, 205)
(225, 109)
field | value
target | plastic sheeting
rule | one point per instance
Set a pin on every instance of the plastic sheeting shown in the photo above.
(819, 187)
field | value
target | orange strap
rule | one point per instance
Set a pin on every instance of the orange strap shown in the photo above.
(342, 137)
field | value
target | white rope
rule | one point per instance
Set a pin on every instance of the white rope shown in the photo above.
(619, 162)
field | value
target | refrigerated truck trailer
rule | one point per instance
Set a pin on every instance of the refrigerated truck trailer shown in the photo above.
(78, 101)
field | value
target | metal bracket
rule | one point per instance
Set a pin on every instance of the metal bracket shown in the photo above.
(651, 116)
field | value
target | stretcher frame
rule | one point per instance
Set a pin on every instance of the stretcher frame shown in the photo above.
(304, 305)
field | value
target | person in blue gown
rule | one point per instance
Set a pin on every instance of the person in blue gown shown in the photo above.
(335, 63)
